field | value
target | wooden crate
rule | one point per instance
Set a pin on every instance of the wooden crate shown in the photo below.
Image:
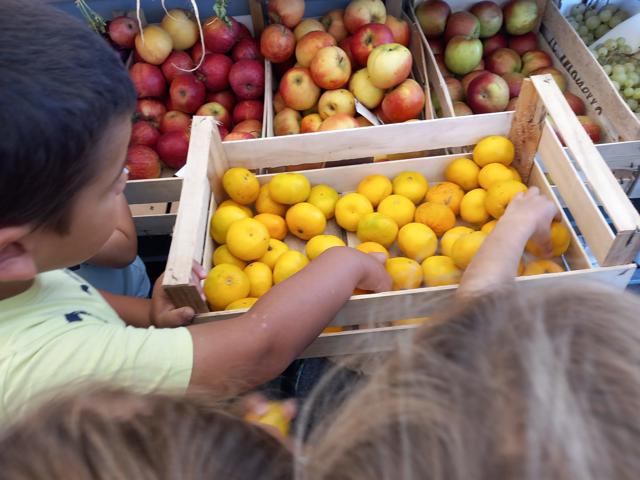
(531, 133)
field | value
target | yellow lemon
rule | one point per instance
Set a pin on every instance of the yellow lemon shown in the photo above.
(440, 270)
(436, 216)
(223, 255)
(375, 187)
(274, 251)
(325, 198)
(266, 204)
(472, 208)
(320, 243)
(499, 196)
(242, 304)
(463, 172)
(228, 203)
(450, 237)
(446, 193)
(289, 188)
(466, 247)
(417, 241)
(494, 149)
(225, 284)
(241, 185)
(515, 173)
(305, 220)
(404, 272)
(412, 185)
(492, 174)
(248, 239)
(289, 263)
(376, 227)
(222, 219)
(371, 247)
(275, 224)
(260, 278)
(350, 209)
(489, 226)
(560, 240)
(538, 267)
(399, 208)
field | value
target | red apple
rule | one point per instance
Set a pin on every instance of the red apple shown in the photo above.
(361, 12)
(278, 103)
(151, 110)
(404, 102)
(468, 78)
(381, 115)
(247, 79)
(144, 133)
(153, 44)
(173, 148)
(511, 106)
(333, 23)
(243, 31)
(576, 103)
(560, 79)
(514, 81)
(176, 64)
(535, 60)
(339, 121)
(389, 65)
(142, 162)
(148, 80)
(480, 66)
(520, 16)
(493, 43)
(330, 68)
(214, 72)
(254, 127)
(248, 110)
(436, 45)
(488, 93)
(196, 52)
(463, 54)
(230, 137)
(345, 45)
(218, 36)
(454, 86)
(523, 43)
(277, 43)
(216, 111)
(366, 38)
(432, 17)
(400, 30)
(246, 49)
(298, 89)
(224, 131)
(503, 60)
(175, 121)
(286, 122)
(461, 109)
(462, 23)
(226, 98)
(287, 12)
(489, 15)
(187, 93)
(310, 44)
(592, 128)
(123, 31)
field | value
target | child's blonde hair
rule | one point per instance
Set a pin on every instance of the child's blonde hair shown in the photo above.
(526, 384)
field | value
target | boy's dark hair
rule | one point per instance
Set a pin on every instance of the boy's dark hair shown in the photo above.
(60, 87)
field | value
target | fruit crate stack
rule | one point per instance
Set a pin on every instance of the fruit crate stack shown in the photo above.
(370, 314)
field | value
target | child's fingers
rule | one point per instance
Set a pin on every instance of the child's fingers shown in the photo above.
(176, 318)
(199, 271)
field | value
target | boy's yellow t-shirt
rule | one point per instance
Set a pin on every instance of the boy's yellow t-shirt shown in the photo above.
(61, 331)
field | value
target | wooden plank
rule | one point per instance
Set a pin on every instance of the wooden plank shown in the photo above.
(257, 17)
(153, 191)
(148, 209)
(148, 225)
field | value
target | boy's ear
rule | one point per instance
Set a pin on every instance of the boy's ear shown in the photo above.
(16, 263)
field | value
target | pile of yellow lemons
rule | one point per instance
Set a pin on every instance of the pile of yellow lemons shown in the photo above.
(422, 221)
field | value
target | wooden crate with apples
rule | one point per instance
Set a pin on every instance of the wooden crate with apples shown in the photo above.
(370, 314)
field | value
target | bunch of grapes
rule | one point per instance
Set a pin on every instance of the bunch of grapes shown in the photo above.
(591, 23)
(623, 67)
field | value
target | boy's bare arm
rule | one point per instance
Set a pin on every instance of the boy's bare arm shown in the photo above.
(122, 247)
(234, 355)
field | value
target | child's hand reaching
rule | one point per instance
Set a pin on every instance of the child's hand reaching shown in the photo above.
(163, 313)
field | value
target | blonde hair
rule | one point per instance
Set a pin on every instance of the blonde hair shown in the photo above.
(526, 384)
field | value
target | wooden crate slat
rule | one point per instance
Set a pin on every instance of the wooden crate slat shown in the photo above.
(148, 225)
(153, 190)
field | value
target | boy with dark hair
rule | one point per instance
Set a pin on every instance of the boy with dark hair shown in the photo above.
(65, 109)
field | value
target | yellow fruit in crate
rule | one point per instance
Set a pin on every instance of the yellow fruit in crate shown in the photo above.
(289, 263)
(332, 330)
(241, 185)
(274, 251)
(266, 204)
(260, 278)
(560, 240)
(492, 174)
(412, 185)
(436, 216)
(222, 219)
(243, 303)
(399, 208)
(376, 227)
(472, 208)
(499, 196)
(289, 188)
(325, 198)
(231, 203)
(538, 267)
(223, 255)
(446, 193)
(515, 173)
(350, 209)
(520, 268)
(404, 272)
(489, 226)
(466, 247)
(450, 237)
(275, 224)
(305, 220)
(320, 243)
(463, 172)
(494, 149)
(417, 241)
(225, 284)
(440, 270)
(248, 239)
(375, 187)
(372, 247)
